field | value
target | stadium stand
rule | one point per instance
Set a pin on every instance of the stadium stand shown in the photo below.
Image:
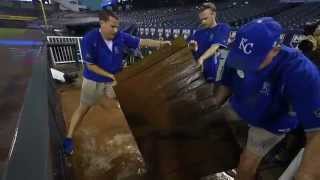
(162, 21)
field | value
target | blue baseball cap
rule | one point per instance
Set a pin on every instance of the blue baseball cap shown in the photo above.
(253, 42)
(108, 3)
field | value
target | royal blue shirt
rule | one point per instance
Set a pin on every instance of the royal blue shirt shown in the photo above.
(95, 51)
(205, 39)
(279, 98)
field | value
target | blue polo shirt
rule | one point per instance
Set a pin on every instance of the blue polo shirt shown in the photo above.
(279, 98)
(95, 51)
(205, 39)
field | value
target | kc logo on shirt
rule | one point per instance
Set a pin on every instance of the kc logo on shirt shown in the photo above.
(246, 46)
(266, 89)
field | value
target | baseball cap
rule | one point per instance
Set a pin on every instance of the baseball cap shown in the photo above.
(108, 4)
(253, 42)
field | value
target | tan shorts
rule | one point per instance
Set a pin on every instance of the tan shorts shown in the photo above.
(259, 141)
(92, 92)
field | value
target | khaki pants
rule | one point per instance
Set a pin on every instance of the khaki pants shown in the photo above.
(259, 141)
(92, 92)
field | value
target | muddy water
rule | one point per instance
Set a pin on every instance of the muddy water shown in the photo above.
(105, 147)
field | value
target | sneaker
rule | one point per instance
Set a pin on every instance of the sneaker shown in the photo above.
(68, 146)
(226, 175)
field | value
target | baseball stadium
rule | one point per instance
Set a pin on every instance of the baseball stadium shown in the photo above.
(160, 89)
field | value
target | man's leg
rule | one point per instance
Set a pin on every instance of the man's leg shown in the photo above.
(259, 143)
(110, 98)
(77, 117)
(310, 165)
(90, 93)
(248, 165)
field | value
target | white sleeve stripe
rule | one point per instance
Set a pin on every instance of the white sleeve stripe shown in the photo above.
(221, 63)
(222, 45)
(139, 43)
(312, 129)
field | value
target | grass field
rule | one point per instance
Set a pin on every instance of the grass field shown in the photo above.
(18, 18)
(11, 32)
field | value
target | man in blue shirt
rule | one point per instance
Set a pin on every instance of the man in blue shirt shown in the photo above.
(102, 51)
(206, 42)
(275, 89)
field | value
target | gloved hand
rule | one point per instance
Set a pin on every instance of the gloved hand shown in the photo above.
(193, 45)
(209, 104)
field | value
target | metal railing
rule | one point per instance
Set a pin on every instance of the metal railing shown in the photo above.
(72, 54)
(65, 54)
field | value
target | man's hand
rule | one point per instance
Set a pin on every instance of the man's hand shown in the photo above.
(98, 70)
(114, 83)
(210, 105)
(193, 45)
(111, 76)
(310, 165)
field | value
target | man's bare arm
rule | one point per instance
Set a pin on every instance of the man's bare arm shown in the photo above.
(221, 94)
(96, 69)
(310, 165)
(210, 52)
(153, 43)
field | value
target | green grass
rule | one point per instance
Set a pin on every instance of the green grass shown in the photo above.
(10, 32)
